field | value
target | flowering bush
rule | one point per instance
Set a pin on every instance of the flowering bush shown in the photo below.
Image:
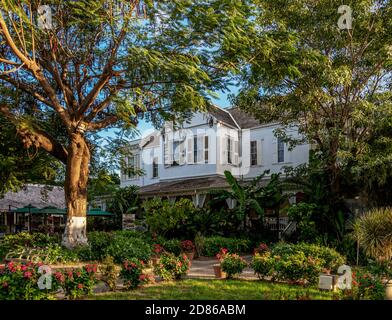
(261, 248)
(172, 267)
(222, 254)
(296, 263)
(132, 272)
(187, 246)
(364, 287)
(20, 282)
(76, 282)
(231, 263)
(158, 249)
(146, 278)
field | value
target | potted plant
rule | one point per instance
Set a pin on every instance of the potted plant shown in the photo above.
(158, 249)
(188, 248)
(217, 267)
(232, 264)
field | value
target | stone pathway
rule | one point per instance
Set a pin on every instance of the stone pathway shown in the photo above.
(202, 268)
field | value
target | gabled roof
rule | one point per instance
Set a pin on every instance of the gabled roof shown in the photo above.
(222, 115)
(244, 120)
(234, 117)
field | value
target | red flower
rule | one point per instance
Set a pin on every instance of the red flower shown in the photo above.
(142, 277)
(23, 268)
(27, 274)
(80, 286)
(5, 284)
(78, 274)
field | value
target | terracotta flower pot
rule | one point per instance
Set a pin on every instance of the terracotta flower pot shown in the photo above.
(218, 271)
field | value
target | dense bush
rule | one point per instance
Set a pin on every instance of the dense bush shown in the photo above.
(19, 281)
(172, 267)
(164, 217)
(131, 273)
(121, 245)
(212, 245)
(296, 262)
(231, 263)
(171, 245)
(365, 286)
(76, 282)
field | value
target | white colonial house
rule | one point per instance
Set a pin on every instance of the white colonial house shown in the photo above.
(190, 159)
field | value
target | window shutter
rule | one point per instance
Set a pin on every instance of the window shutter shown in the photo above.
(236, 153)
(259, 152)
(190, 150)
(223, 151)
(168, 152)
(182, 153)
(275, 150)
(200, 149)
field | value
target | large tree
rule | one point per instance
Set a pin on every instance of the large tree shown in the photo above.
(106, 63)
(333, 82)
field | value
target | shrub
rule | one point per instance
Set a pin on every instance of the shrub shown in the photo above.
(76, 282)
(364, 287)
(163, 216)
(131, 273)
(298, 263)
(374, 233)
(121, 245)
(123, 248)
(109, 272)
(171, 246)
(187, 246)
(18, 281)
(231, 263)
(212, 245)
(261, 248)
(172, 267)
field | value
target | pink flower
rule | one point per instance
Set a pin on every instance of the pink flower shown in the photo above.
(23, 268)
(27, 274)
(78, 274)
(142, 277)
(5, 284)
(80, 286)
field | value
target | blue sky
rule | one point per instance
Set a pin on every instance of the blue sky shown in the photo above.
(221, 101)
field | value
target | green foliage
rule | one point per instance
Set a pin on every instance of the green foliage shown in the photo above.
(164, 217)
(232, 264)
(172, 267)
(374, 233)
(365, 286)
(303, 214)
(298, 263)
(171, 245)
(212, 245)
(125, 201)
(109, 272)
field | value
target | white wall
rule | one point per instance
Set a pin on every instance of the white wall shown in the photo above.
(217, 164)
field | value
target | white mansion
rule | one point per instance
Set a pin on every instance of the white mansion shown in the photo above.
(191, 159)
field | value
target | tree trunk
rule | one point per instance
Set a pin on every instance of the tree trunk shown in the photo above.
(76, 192)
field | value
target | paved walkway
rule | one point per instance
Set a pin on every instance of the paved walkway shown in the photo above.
(203, 268)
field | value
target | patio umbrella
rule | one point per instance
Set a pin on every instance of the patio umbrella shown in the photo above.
(27, 209)
(98, 212)
(52, 210)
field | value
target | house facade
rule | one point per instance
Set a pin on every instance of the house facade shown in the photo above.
(190, 159)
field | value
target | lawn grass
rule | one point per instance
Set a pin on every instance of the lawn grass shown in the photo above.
(203, 289)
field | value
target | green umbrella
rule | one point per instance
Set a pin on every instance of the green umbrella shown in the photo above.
(27, 209)
(98, 212)
(52, 210)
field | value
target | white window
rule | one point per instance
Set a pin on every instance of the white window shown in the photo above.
(280, 150)
(253, 153)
